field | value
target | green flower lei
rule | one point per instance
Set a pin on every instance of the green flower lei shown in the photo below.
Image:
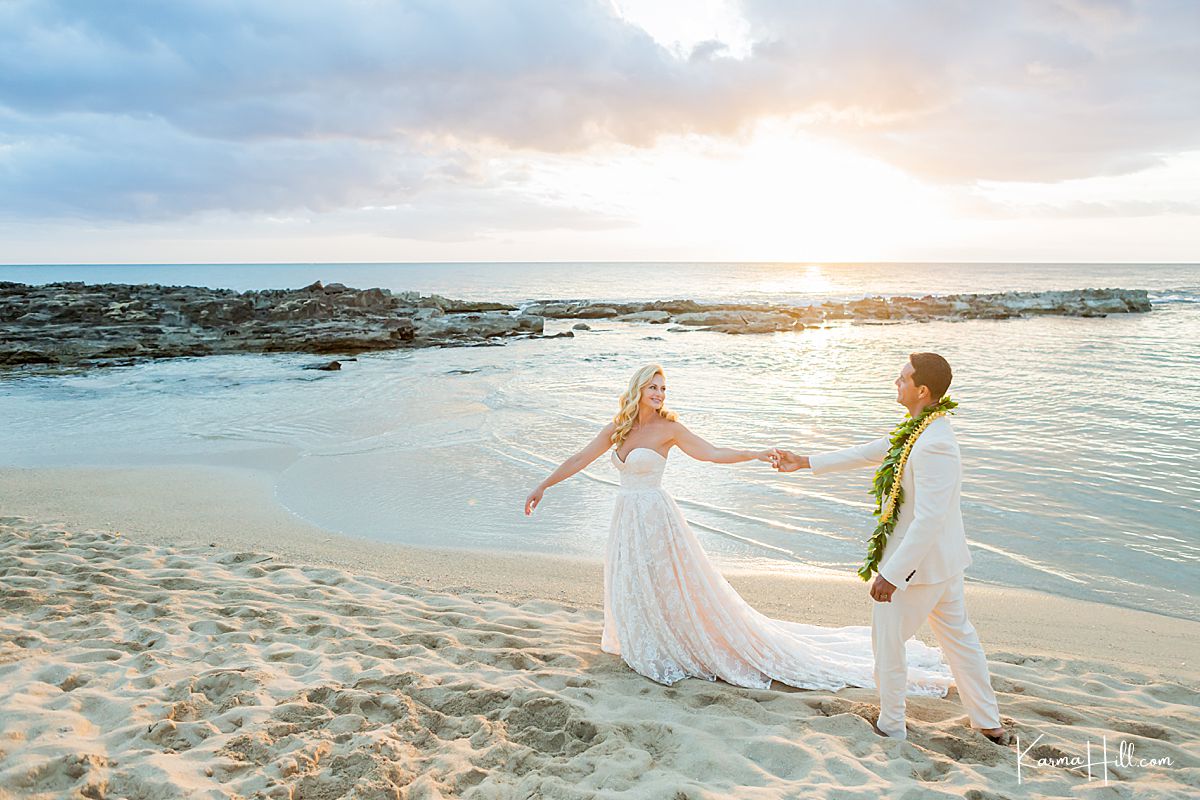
(886, 489)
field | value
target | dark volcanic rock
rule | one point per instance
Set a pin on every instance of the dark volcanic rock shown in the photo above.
(766, 318)
(66, 325)
(71, 324)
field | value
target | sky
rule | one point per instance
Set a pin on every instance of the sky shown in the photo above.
(206, 131)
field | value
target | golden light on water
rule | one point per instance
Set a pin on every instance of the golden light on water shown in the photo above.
(806, 280)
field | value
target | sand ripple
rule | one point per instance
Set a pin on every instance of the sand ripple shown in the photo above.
(146, 672)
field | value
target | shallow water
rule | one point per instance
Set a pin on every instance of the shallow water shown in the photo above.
(1079, 436)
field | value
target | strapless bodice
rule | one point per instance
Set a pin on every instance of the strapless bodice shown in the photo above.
(642, 468)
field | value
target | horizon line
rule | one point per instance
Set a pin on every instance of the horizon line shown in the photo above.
(630, 261)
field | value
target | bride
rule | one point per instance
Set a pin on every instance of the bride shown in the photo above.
(667, 610)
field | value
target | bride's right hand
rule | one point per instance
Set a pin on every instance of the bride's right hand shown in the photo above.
(532, 501)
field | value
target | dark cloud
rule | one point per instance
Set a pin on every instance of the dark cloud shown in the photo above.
(146, 110)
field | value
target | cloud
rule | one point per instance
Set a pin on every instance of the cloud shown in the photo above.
(1079, 209)
(116, 167)
(1020, 91)
(147, 110)
(523, 72)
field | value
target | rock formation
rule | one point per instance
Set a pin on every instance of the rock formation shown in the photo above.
(67, 325)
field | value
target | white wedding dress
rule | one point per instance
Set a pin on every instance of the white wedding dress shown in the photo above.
(671, 615)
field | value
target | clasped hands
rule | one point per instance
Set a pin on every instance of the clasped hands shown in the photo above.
(785, 460)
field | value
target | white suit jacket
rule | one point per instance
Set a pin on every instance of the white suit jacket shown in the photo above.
(929, 544)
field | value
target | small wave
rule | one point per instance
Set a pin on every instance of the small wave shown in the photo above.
(788, 554)
(1026, 561)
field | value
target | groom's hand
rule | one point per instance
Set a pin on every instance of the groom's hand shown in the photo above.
(882, 590)
(787, 461)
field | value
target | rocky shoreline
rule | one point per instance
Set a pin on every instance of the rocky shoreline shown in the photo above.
(72, 325)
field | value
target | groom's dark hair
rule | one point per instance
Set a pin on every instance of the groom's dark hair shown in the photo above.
(930, 369)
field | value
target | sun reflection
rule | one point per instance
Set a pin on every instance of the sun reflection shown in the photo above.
(811, 280)
(808, 363)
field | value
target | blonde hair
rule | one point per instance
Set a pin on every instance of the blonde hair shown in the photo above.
(627, 416)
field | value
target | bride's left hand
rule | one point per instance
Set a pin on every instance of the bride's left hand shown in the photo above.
(532, 501)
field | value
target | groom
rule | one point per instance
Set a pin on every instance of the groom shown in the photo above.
(920, 572)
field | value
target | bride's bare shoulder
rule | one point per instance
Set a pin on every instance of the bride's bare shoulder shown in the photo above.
(674, 427)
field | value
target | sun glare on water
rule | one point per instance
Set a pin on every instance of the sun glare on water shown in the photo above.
(797, 280)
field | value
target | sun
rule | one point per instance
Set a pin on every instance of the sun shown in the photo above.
(771, 194)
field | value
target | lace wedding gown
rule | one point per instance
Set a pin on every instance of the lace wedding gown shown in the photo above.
(671, 615)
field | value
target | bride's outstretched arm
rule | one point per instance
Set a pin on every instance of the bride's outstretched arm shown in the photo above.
(699, 449)
(593, 450)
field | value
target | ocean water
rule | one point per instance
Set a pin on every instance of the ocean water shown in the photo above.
(1080, 437)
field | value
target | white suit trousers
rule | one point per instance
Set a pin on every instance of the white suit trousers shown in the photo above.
(894, 623)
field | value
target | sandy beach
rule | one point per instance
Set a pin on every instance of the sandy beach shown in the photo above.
(327, 331)
(190, 638)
